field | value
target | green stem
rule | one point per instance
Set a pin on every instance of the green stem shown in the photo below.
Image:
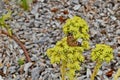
(117, 74)
(25, 4)
(63, 70)
(98, 65)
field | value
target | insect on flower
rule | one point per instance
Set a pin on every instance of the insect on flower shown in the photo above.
(71, 41)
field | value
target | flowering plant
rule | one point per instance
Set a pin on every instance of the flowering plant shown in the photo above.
(68, 52)
(102, 53)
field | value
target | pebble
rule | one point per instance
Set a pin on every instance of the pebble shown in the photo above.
(110, 11)
(27, 65)
(34, 58)
(39, 30)
(88, 72)
(1, 78)
(21, 51)
(35, 73)
(12, 69)
(113, 18)
(81, 77)
(41, 0)
(99, 73)
(76, 7)
(75, 1)
(118, 32)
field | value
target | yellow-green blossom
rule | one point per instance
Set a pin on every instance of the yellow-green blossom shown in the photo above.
(102, 53)
(77, 27)
(70, 57)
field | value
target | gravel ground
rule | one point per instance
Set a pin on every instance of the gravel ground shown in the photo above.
(41, 27)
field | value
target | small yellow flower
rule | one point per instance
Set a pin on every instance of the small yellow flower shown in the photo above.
(102, 53)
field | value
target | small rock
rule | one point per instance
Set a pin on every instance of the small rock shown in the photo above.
(75, 1)
(35, 73)
(118, 40)
(99, 73)
(113, 17)
(34, 11)
(110, 11)
(80, 40)
(118, 31)
(81, 77)
(12, 69)
(4, 70)
(34, 58)
(1, 78)
(15, 45)
(70, 15)
(76, 7)
(21, 51)
(44, 39)
(93, 32)
(41, 0)
(27, 65)
(88, 72)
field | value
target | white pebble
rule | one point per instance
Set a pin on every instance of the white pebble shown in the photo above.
(27, 65)
(76, 7)
(1, 78)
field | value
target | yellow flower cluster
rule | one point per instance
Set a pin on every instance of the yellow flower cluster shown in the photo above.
(102, 53)
(77, 27)
(69, 55)
(65, 53)
(72, 56)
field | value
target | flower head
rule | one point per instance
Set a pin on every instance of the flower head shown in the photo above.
(102, 53)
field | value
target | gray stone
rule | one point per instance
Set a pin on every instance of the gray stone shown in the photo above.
(118, 31)
(34, 58)
(75, 1)
(12, 69)
(1, 78)
(76, 7)
(82, 77)
(88, 72)
(110, 11)
(35, 73)
(21, 51)
(99, 73)
(27, 65)
(113, 17)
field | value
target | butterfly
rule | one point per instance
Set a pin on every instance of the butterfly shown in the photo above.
(71, 41)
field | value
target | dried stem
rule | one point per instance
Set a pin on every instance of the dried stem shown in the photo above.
(19, 43)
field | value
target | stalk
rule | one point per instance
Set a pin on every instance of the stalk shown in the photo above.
(63, 71)
(98, 65)
(117, 74)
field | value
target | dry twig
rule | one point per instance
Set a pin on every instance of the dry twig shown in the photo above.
(19, 43)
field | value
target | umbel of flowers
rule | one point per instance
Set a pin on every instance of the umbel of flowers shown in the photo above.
(102, 53)
(68, 51)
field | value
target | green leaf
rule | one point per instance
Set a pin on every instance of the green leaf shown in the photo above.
(6, 16)
(21, 61)
(26, 4)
